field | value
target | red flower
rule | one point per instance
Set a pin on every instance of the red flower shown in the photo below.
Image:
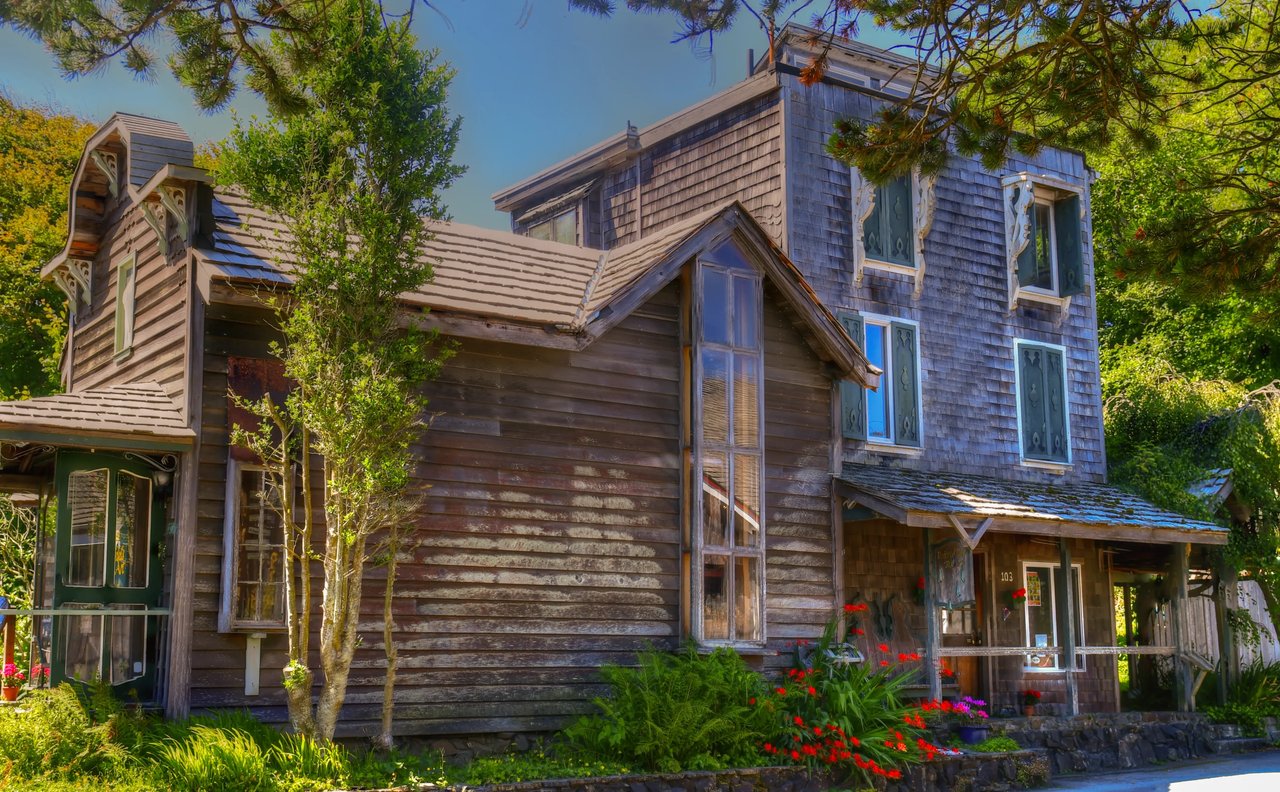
(799, 721)
(884, 663)
(813, 691)
(795, 756)
(817, 731)
(859, 631)
(883, 647)
(895, 774)
(780, 691)
(920, 583)
(902, 657)
(855, 742)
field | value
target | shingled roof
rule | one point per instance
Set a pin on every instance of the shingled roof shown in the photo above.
(1099, 511)
(556, 294)
(138, 415)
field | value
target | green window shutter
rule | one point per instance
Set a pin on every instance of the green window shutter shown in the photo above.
(1056, 406)
(1031, 397)
(1027, 258)
(1043, 398)
(853, 403)
(905, 383)
(900, 245)
(1066, 223)
(873, 237)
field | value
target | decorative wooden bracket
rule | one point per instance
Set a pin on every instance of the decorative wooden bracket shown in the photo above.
(174, 201)
(924, 208)
(970, 538)
(62, 278)
(863, 195)
(108, 164)
(156, 218)
(81, 271)
(1018, 197)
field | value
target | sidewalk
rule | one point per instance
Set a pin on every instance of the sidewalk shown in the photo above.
(1250, 772)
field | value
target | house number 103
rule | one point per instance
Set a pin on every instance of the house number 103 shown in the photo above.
(1006, 577)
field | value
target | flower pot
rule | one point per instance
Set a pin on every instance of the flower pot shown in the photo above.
(11, 693)
(972, 735)
(1028, 709)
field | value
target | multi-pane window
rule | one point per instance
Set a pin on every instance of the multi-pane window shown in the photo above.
(1043, 411)
(253, 577)
(562, 227)
(891, 413)
(728, 429)
(1044, 610)
(126, 286)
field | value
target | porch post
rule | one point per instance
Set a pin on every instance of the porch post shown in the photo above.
(931, 659)
(1066, 627)
(1225, 600)
(1177, 603)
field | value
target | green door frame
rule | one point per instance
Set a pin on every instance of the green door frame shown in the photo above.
(108, 595)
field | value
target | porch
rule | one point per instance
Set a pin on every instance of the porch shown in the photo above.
(94, 472)
(968, 572)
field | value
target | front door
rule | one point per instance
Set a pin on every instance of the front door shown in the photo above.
(106, 565)
(963, 627)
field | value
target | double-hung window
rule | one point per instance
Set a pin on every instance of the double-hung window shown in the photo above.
(889, 415)
(1044, 610)
(727, 499)
(1044, 423)
(1045, 239)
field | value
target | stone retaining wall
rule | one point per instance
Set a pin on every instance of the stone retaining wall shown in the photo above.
(1089, 743)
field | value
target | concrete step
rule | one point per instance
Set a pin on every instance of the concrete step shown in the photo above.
(1232, 745)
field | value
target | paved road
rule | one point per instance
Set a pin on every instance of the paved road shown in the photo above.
(1251, 772)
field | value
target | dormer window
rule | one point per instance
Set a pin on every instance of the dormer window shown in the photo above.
(559, 228)
(1045, 239)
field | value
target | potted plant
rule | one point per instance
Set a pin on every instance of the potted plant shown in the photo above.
(13, 677)
(1030, 698)
(971, 719)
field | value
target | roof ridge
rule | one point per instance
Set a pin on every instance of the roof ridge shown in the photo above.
(579, 317)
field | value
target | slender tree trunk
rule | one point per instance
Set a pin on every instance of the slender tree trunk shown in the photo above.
(385, 739)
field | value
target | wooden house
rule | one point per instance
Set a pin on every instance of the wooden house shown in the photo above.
(706, 388)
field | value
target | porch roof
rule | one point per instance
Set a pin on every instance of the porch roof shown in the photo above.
(975, 504)
(137, 415)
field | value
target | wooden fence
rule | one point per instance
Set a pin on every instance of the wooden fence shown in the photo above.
(1200, 627)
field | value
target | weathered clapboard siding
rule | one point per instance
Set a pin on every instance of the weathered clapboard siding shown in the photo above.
(160, 311)
(800, 584)
(966, 331)
(548, 542)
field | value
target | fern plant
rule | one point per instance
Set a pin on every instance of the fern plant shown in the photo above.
(678, 711)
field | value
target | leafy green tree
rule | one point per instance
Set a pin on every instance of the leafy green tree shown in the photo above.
(351, 178)
(39, 149)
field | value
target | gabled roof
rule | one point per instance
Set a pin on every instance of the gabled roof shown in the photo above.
(138, 415)
(546, 293)
(1091, 511)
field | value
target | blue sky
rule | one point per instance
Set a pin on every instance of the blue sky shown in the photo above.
(535, 84)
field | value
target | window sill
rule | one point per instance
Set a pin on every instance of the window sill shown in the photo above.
(749, 650)
(123, 355)
(891, 448)
(1029, 670)
(889, 266)
(1044, 464)
(1046, 298)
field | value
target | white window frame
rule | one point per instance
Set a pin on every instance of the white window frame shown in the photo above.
(1053, 592)
(1046, 464)
(227, 621)
(1053, 252)
(886, 385)
(1044, 190)
(126, 301)
(730, 551)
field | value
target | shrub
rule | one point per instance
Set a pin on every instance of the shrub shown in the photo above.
(996, 745)
(52, 734)
(536, 766)
(678, 711)
(1258, 686)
